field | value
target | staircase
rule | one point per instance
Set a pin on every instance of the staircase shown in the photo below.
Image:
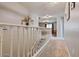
(54, 48)
(26, 41)
(20, 40)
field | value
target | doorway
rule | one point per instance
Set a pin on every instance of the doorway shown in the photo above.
(53, 27)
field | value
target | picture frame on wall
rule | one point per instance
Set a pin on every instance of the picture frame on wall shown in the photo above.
(67, 11)
(72, 5)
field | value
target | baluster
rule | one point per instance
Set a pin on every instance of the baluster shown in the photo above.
(18, 41)
(36, 39)
(28, 42)
(32, 40)
(25, 41)
(1, 40)
(11, 38)
(23, 44)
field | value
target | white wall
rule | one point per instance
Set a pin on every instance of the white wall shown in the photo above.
(72, 32)
(9, 17)
(60, 27)
(35, 19)
(13, 13)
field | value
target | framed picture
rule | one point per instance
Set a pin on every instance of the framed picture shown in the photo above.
(72, 5)
(67, 11)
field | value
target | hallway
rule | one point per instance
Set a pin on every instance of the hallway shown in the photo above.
(38, 29)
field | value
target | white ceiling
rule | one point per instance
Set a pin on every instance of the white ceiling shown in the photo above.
(44, 8)
(39, 8)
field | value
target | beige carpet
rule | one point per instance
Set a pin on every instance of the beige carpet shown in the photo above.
(55, 48)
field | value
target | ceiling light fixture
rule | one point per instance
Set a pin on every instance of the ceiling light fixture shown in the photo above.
(52, 3)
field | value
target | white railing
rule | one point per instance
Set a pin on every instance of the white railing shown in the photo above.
(19, 40)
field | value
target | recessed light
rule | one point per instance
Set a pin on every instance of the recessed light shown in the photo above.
(52, 3)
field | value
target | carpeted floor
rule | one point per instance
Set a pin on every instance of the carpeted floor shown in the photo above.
(55, 48)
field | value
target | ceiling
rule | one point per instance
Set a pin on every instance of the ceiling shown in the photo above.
(37, 8)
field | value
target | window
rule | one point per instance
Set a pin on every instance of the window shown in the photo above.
(49, 25)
